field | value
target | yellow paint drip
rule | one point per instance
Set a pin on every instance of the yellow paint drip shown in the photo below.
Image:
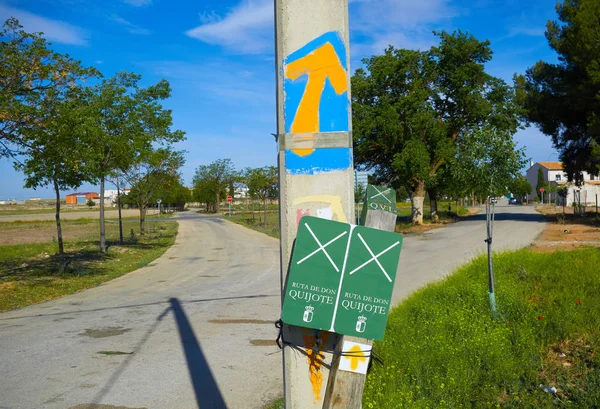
(315, 361)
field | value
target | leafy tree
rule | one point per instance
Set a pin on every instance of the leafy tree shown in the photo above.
(359, 193)
(32, 76)
(563, 99)
(147, 176)
(520, 187)
(90, 203)
(411, 109)
(263, 184)
(53, 157)
(213, 180)
(541, 183)
(487, 162)
(126, 120)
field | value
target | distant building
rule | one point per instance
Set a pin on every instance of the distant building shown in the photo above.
(81, 198)
(361, 178)
(35, 199)
(110, 195)
(554, 174)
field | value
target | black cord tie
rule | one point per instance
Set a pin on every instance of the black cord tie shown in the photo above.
(281, 341)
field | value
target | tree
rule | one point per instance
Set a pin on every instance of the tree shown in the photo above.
(411, 109)
(53, 158)
(541, 183)
(126, 121)
(563, 99)
(147, 176)
(520, 187)
(31, 77)
(487, 162)
(213, 180)
(263, 184)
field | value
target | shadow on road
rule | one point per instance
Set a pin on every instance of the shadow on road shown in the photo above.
(517, 216)
(206, 389)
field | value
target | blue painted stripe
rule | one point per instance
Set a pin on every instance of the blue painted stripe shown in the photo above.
(320, 161)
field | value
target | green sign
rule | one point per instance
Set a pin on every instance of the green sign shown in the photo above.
(341, 278)
(378, 198)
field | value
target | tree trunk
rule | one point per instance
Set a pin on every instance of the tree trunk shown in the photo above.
(119, 206)
(433, 207)
(218, 202)
(266, 205)
(417, 203)
(142, 220)
(61, 249)
(102, 227)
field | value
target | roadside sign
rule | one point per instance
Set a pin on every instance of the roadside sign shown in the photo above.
(229, 199)
(542, 190)
(341, 278)
(378, 198)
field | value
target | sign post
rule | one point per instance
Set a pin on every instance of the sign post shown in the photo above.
(315, 160)
(542, 192)
(348, 373)
(229, 200)
(158, 202)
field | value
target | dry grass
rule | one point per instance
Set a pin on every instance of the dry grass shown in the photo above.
(567, 231)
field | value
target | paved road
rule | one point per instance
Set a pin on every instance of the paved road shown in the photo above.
(435, 254)
(192, 324)
(110, 214)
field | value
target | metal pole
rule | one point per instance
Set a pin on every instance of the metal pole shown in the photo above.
(489, 210)
(315, 159)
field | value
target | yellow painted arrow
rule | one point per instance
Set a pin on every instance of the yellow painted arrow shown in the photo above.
(319, 65)
(356, 356)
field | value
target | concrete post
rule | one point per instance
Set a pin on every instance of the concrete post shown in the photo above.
(315, 159)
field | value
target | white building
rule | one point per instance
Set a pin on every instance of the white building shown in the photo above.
(361, 178)
(554, 174)
(110, 195)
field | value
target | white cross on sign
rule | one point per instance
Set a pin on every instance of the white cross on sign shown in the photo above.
(374, 257)
(322, 247)
(381, 193)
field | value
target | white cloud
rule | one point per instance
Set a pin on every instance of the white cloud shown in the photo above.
(247, 28)
(374, 24)
(132, 28)
(54, 30)
(526, 31)
(221, 80)
(401, 23)
(138, 3)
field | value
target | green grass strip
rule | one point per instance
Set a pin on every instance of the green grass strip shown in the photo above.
(442, 349)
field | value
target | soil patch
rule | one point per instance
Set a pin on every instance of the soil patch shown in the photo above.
(104, 332)
(566, 231)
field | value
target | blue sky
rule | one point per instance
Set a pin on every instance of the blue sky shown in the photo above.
(218, 56)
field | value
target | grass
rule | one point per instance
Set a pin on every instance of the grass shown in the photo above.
(15, 210)
(29, 271)
(403, 223)
(257, 223)
(278, 404)
(442, 349)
